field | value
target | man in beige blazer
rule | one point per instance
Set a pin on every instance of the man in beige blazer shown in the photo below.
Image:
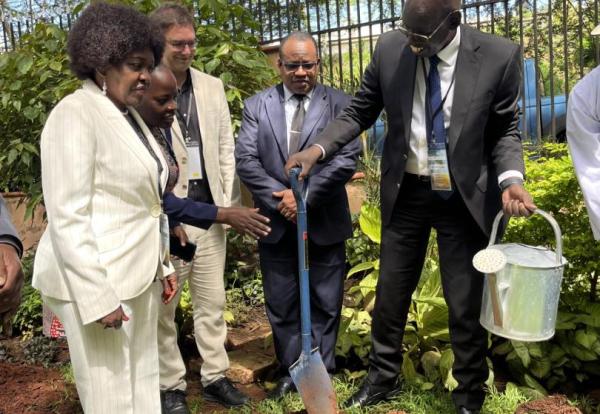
(203, 145)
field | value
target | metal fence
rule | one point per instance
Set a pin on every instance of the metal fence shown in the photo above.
(554, 35)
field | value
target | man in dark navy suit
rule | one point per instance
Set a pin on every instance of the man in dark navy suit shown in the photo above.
(277, 122)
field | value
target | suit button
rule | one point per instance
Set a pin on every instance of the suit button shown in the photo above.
(405, 156)
(155, 210)
(184, 186)
(398, 185)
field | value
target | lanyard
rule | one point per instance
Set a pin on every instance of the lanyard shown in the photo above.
(427, 100)
(185, 120)
(146, 143)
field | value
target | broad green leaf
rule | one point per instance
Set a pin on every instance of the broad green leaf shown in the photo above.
(222, 50)
(25, 64)
(522, 352)
(585, 339)
(426, 386)
(503, 349)
(57, 66)
(409, 373)
(370, 222)
(540, 368)
(212, 65)
(532, 383)
(430, 361)
(361, 267)
(228, 316)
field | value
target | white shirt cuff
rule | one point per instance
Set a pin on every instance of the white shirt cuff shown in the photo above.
(322, 151)
(509, 174)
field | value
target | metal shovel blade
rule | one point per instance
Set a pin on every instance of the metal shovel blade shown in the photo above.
(313, 383)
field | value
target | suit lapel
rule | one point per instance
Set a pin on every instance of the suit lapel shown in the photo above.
(276, 115)
(157, 151)
(318, 106)
(405, 79)
(202, 102)
(123, 130)
(467, 67)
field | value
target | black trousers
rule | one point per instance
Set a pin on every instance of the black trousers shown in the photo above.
(403, 248)
(279, 267)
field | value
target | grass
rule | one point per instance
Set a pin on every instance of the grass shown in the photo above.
(66, 371)
(412, 400)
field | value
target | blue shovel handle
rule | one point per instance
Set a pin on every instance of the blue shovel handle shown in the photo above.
(302, 238)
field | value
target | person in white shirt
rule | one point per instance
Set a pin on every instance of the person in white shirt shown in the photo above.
(583, 137)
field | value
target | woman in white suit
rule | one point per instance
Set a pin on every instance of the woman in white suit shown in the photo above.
(99, 262)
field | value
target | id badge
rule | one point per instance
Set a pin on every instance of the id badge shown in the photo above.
(164, 237)
(195, 163)
(438, 168)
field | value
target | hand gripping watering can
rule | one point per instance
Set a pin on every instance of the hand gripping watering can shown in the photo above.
(308, 372)
(521, 287)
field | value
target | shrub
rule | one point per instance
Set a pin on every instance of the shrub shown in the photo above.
(28, 319)
(34, 78)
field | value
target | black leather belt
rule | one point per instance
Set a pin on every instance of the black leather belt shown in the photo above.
(416, 177)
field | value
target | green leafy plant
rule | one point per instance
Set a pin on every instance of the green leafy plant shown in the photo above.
(553, 185)
(573, 353)
(28, 319)
(33, 79)
(427, 358)
(41, 350)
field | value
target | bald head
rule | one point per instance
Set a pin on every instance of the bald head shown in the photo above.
(162, 75)
(158, 105)
(431, 24)
(432, 7)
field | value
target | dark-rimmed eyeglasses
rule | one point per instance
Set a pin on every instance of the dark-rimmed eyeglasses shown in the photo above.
(181, 44)
(422, 39)
(294, 66)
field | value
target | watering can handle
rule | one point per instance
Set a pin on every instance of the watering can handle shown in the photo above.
(549, 219)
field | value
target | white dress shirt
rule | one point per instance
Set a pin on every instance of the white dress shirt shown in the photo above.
(417, 154)
(583, 137)
(290, 107)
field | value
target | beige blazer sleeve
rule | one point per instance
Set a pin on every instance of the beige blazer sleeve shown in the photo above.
(231, 186)
(217, 137)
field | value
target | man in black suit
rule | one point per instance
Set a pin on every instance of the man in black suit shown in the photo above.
(452, 159)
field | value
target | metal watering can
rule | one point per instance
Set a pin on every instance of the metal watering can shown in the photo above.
(521, 287)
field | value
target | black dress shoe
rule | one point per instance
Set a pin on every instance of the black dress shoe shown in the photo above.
(223, 392)
(173, 402)
(284, 386)
(369, 394)
(463, 410)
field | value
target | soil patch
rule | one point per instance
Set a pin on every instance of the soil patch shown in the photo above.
(35, 389)
(554, 404)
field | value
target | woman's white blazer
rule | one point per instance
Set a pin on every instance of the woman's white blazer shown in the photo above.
(101, 193)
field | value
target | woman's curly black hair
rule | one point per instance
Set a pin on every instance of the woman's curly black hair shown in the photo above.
(105, 34)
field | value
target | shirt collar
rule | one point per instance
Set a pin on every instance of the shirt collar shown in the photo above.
(449, 54)
(287, 94)
(187, 84)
